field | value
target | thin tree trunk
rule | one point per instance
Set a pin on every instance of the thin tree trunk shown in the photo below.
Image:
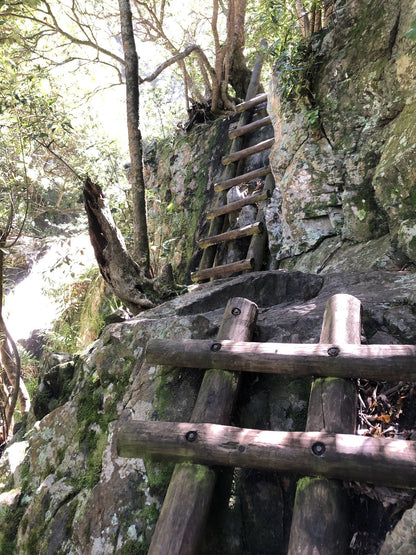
(141, 243)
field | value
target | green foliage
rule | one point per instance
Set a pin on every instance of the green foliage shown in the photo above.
(411, 34)
(312, 117)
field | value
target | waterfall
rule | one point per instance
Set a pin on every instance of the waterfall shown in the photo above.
(28, 306)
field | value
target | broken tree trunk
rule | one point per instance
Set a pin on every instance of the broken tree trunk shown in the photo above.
(320, 514)
(185, 508)
(117, 267)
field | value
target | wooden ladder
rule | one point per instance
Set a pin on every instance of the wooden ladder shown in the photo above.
(232, 176)
(327, 450)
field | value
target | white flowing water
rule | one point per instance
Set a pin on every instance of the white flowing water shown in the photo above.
(28, 306)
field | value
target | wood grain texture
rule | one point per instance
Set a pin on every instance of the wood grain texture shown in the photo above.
(377, 362)
(388, 462)
(188, 498)
(320, 514)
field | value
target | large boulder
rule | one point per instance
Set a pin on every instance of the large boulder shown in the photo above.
(65, 489)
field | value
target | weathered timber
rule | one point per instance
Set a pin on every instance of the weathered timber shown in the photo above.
(236, 205)
(389, 462)
(243, 178)
(216, 224)
(251, 103)
(223, 270)
(332, 408)
(246, 231)
(257, 246)
(187, 500)
(239, 155)
(239, 131)
(118, 269)
(374, 362)
(258, 242)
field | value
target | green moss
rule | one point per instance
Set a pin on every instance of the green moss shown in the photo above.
(159, 475)
(10, 519)
(304, 483)
(133, 547)
(91, 418)
(72, 509)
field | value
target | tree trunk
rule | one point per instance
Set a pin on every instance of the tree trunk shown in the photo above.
(141, 243)
(117, 267)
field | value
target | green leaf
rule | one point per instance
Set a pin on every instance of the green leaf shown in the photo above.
(411, 34)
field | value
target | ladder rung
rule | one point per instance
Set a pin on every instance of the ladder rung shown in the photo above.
(223, 270)
(243, 178)
(243, 129)
(250, 103)
(247, 151)
(236, 205)
(246, 231)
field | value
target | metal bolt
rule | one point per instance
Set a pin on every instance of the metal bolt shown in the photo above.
(333, 351)
(191, 436)
(216, 347)
(236, 312)
(318, 448)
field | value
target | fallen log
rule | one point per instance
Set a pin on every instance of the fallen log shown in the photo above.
(388, 462)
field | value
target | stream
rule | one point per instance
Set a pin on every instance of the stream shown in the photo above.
(29, 306)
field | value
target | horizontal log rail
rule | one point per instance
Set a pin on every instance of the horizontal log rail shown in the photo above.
(236, 205)
(243, 178)
(232, 235)
(251, 103)
(388, 462)
(240, 154)
(243, 129)
(374, 362)
(225, 269)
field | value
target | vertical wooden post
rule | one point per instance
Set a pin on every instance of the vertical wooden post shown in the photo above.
(185, 508)
(320, 515)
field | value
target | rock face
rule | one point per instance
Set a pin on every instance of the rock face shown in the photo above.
(352, 175)
(65, 490)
